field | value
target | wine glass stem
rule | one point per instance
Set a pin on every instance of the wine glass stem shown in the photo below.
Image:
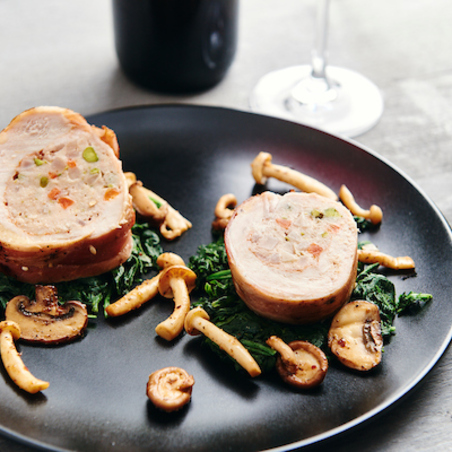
(319, 53)
(317, 89)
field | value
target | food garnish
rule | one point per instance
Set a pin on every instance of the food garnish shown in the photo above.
(145, 291)
(369, 254)
(12, 361)
(170, 388)
(44, 320)
(378, 289)
(146, 205)
(154, 208)
(300, 363)
(263, 168)
(176, 282)
(223, 211)
(355, 335)
(374, 214)
(197, 322)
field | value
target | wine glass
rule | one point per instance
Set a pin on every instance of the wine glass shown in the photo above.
(334, 99)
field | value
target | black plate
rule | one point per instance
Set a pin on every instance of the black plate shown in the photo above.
(191, 156)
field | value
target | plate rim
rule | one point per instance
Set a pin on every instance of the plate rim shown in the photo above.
(367, 417)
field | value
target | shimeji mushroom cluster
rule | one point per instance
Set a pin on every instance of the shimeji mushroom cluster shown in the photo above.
(176, 281)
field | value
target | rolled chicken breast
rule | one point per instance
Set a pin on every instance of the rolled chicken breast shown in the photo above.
(293, 258)
(65, 210)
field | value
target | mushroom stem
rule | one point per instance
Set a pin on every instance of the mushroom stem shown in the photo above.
(395, 263)
(263, 168)
(174, 324)
(144, 292)
(197, 321)
(139, 295)
(21, 376)
(286, 353)
(374, 214)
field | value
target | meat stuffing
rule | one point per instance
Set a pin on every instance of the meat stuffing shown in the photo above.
(293, 258)
(65, 210)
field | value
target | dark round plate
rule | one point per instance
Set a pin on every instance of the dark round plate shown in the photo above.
(191, 156)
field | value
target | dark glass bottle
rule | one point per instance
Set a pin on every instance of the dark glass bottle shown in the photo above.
(175, 46)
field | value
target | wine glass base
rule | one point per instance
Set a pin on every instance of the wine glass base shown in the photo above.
(356, 107)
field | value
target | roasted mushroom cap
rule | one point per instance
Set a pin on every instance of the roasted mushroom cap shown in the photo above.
(355, 335)
(44, 320)
(172, 274)
(144, 292)
(170, 388)
(175, 282)
(300, 363)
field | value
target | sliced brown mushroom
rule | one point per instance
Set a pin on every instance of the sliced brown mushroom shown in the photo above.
(18, 372)
(170, 388)
(44, 320)
(300, 363)
(262, 168)
(355, 335)
(175, 282)
(144, 292)
(197, 321)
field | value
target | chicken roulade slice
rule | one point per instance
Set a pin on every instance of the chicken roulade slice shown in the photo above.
(65, 210)
(293, 258)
